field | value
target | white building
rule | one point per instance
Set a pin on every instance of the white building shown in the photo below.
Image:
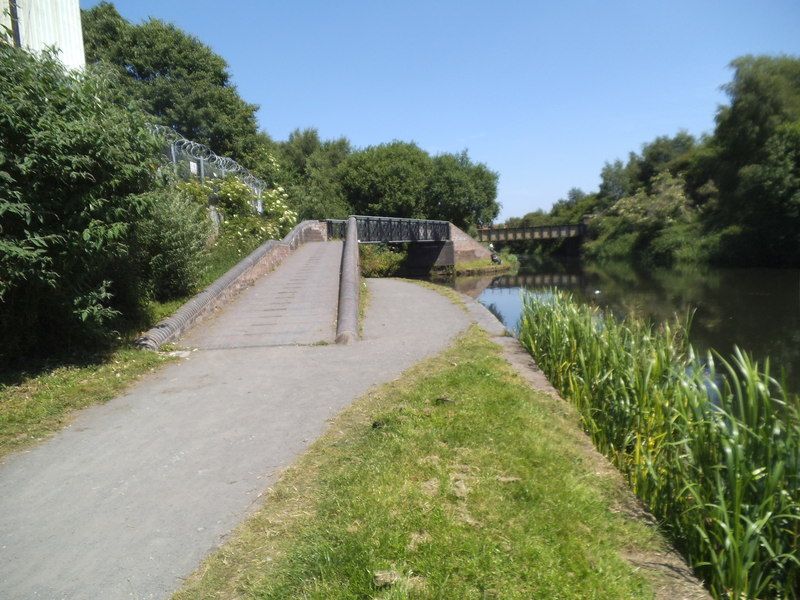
(39, 24)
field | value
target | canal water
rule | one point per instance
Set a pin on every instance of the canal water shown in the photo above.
(757, 310)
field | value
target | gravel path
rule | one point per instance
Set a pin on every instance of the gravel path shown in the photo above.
(129, 499)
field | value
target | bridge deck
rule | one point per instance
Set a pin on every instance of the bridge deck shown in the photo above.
(294, 305)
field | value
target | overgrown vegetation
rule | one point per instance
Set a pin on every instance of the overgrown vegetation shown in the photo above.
(456, 481)
(73, 171)
(381, 260)
(732, 197)
(711, 445)
(93, 228)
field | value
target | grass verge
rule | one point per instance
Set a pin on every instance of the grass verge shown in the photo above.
(455, 481)
(35, 404)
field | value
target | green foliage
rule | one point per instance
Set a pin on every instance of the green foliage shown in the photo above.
(174, 77)
(312, 177)
(460, 191)
(387, 180)
(401, 180)
(378, 260)
(740, 185)
(711, 446)
(172, 240)
(232, 197)
(235, 199)
(642, 227)
(72, 169)
(238, 237)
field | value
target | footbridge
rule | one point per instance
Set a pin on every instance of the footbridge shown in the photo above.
(431, 243)
(538, 232)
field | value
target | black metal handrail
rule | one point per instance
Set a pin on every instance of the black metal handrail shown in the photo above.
(389, 230)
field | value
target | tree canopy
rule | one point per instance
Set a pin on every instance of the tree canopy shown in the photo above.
(740, 185)
(175, 77)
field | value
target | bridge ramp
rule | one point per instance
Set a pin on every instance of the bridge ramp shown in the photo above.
(295, 304)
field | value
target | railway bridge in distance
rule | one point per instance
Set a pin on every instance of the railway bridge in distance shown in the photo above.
(537, 232)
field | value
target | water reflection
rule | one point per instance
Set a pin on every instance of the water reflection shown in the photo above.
(756, 309)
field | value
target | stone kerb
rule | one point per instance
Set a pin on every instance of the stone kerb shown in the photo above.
(263, 259)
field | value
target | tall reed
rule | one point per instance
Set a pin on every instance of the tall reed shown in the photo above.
(711, 445)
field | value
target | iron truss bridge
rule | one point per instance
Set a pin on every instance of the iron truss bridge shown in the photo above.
(543, 232)
(391, 230)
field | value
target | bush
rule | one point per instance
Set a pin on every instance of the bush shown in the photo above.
(73, 167)
(378, 260)
(172, 241)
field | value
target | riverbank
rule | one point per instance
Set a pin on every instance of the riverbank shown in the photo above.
(757, 310)
(456, 480)
(711, 445)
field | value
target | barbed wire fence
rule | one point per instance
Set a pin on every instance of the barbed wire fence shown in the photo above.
(192, 159)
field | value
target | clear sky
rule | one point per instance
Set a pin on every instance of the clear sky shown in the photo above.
(542, 92)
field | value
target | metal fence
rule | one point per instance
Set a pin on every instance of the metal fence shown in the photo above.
(194, 160)
(392, 230)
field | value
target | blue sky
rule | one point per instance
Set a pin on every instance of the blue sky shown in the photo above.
(542, 92)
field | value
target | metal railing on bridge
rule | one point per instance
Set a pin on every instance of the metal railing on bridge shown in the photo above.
(391, 230)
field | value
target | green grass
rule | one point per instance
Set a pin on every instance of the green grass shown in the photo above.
(444, 290)
(456, 481)
(508, 262)
(34, 404)
(712, 447)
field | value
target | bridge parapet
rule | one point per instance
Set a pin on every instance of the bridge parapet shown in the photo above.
(433, 243)
(392, 230)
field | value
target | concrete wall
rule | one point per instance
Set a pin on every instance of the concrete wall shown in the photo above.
(45, 23)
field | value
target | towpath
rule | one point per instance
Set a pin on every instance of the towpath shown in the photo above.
(128, 500)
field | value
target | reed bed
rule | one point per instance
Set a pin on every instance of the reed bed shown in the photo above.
(710, 444)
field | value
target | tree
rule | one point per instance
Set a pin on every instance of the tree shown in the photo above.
(387, 180)
(618, 180)
(312, 176)
(646, 227)
(663, 154)
(770, 190)
(175, 77)
(764, 94)
(461, 191)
